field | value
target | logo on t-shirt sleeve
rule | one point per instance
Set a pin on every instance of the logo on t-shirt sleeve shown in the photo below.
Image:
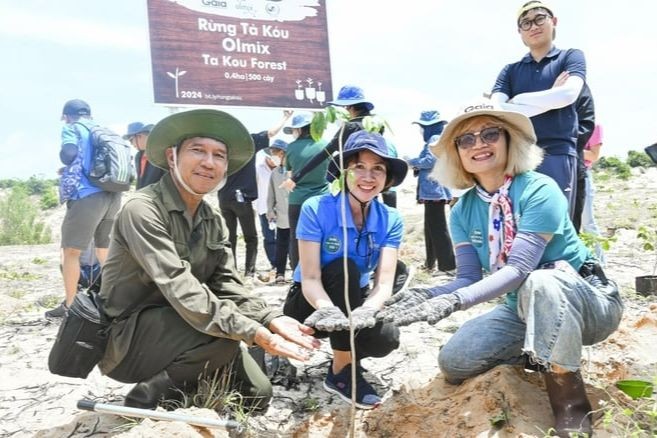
(476, 237)
(332, 244)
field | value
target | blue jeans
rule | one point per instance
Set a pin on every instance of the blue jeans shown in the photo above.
(588, 220)
(558, 313)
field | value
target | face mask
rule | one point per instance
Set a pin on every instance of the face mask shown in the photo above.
(276, 160)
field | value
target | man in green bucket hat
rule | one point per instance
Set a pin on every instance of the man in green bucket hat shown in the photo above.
(180, 309)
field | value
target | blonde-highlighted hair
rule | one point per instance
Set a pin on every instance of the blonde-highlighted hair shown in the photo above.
(522, 153)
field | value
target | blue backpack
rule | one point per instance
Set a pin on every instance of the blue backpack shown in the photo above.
(111, 169)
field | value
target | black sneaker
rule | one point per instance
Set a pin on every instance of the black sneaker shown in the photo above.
(340, 385)
(57, 312)
(403, 277)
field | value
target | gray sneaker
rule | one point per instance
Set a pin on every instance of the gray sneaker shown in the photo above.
(57, 312)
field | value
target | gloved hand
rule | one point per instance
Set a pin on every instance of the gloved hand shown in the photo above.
(430, 311)
(363, 317)
(328, 319)
(402, 301)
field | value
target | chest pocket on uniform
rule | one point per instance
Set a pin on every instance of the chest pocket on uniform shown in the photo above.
(218, 248)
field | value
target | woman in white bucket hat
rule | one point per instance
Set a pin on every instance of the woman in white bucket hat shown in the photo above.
(513, 222)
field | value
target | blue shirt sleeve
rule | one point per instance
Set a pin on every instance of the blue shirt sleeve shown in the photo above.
(575, 63)
(308, 227)
(395, 230)
(503, 81)
(426, 160)
(70, 135)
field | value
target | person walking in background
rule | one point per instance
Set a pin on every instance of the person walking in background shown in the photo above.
(90, 211)
(591, 155)
(434, 197)
(514, 223)
(544, 85)
(137, 135)
(236, 201)
(264, 163)
(299, 152)
(374, 233)
(278, 200)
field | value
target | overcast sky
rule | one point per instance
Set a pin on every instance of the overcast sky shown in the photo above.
(408, 56)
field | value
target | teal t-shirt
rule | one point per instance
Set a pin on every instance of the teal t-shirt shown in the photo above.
(538, 205)
(298, 153)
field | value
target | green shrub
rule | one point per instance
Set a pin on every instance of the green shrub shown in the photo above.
(49, 198)
(34, 185)
(18, 220)
(8, 183)
(639, 159)
(615, 166)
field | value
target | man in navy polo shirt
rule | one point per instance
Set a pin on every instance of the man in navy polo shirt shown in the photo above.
(544, 85)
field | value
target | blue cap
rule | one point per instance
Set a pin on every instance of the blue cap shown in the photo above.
(137, 128)
(277, 144)
(429, 118)
(299, 121)
(351, 95)
(76, 107)
(375, 143)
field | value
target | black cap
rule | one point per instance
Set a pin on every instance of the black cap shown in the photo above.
(76, 107)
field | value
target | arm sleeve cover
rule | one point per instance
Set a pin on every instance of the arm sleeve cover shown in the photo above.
(468, 271)
(68, 152)
(555, 97)
(525, 255)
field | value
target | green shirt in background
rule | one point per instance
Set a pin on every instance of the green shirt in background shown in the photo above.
(298, 153)
(159, 256)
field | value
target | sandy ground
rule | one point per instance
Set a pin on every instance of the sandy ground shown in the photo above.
(507, 401)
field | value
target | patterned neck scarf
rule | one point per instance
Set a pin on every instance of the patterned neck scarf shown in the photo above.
(501, 225)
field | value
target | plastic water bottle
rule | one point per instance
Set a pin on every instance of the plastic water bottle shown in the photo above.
(239, 197)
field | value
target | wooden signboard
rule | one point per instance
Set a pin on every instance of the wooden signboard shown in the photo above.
(251, 53)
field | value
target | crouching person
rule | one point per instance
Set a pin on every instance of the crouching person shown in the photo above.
(374, 233)
(514, 223)
(180, 310)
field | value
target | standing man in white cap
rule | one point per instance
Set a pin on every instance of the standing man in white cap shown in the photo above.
(90, 211)
(544, 85)
(179, 306)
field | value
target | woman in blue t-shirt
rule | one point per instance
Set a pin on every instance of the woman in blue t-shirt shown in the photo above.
(373, 235)
(514, 224)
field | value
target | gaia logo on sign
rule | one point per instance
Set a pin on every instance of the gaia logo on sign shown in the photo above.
(254, 9)
(255, 53)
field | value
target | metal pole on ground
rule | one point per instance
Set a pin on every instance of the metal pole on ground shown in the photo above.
(212, 423)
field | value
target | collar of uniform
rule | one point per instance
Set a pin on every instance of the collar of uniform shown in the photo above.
(173, 201)
(551, 54)
(372, 215)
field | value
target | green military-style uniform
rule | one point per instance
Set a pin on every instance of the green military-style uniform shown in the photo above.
(174, 276)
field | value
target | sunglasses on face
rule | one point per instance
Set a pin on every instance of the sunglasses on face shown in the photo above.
(487, 135)
(538, 20)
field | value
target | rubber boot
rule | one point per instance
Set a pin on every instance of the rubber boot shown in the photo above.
(148, 393)
(571, 407)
